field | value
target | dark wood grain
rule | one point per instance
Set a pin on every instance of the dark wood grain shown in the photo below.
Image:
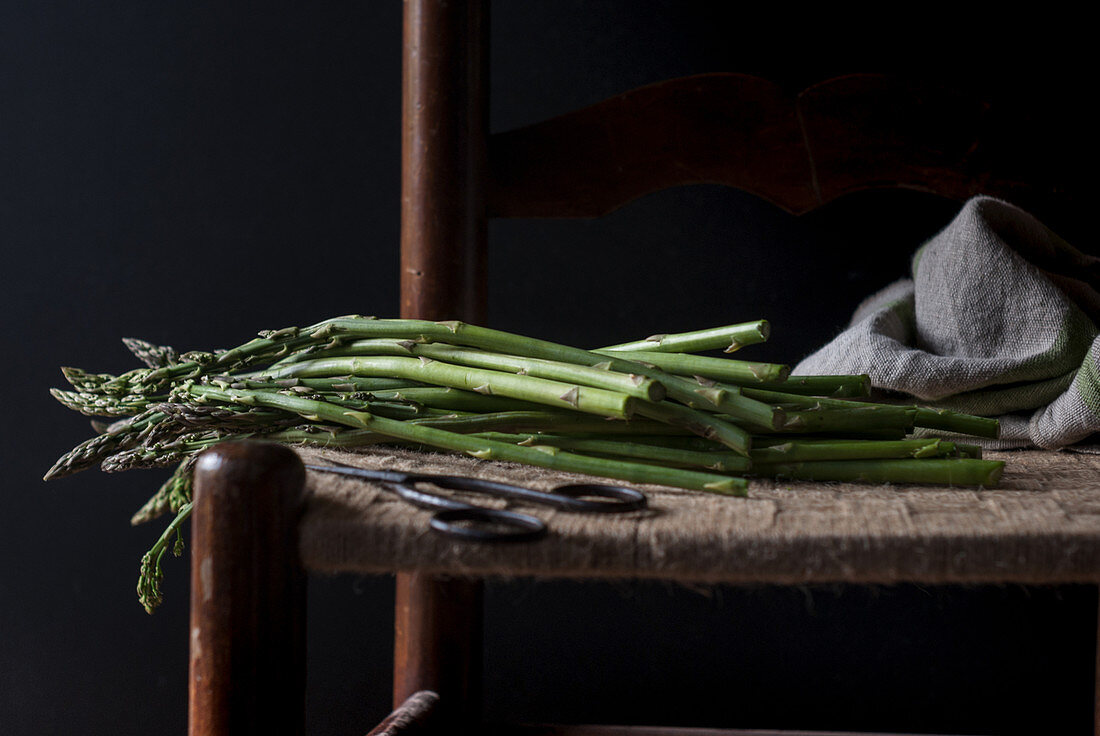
(869, 130)
(797, 151)
(437, 643)
(437, 623)
(730, 129)
(443, 135)
(414, 716)
(247, 671)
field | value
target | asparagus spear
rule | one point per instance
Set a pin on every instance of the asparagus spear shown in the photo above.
(739, 372)
(153, 356)
(730, 337)
(855, 419)
(719, 461)
(341, 383)
(103, 405)
(538, 421)
(956, 472)
(456, 400)
(789, 452)
(835, 386)
(951, 421)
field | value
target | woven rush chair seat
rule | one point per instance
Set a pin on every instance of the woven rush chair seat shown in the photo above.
(1041, 525)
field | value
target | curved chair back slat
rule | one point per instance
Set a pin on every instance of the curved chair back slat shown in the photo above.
(797, 151)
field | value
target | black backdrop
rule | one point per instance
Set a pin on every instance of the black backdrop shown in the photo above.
(192, 172)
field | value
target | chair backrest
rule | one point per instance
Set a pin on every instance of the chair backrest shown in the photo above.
(797, 151)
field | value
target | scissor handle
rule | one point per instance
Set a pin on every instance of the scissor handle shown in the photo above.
(488, 525)
(617, 499)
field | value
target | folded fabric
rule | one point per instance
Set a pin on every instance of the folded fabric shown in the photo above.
(999, 319)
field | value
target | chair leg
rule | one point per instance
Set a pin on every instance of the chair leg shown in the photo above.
(247, 593)
(443, 265)
(437, 644)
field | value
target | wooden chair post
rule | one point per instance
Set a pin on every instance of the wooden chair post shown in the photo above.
(248, 593)
(437, 641)
(443, 154)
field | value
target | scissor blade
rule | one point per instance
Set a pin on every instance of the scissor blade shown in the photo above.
(384, 476)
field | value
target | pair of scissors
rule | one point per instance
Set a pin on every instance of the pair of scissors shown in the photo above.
(481, 524)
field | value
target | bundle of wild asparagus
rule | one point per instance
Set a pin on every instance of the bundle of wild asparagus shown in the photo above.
(650, 411)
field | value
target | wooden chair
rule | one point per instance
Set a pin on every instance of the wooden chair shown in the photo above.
(248, 586)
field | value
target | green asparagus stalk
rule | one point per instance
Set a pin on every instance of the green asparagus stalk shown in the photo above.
(341, 384)
(730, 338)
(456, 400)
(881, 434)
(789, 452)
(738, 372)
(545, 421)
(857, 419)
(951, 421)
(834, 386)
(955, 472)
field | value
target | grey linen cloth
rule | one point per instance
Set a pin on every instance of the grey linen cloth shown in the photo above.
(999, 319)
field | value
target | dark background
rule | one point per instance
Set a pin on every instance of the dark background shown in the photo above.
(192, 172)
